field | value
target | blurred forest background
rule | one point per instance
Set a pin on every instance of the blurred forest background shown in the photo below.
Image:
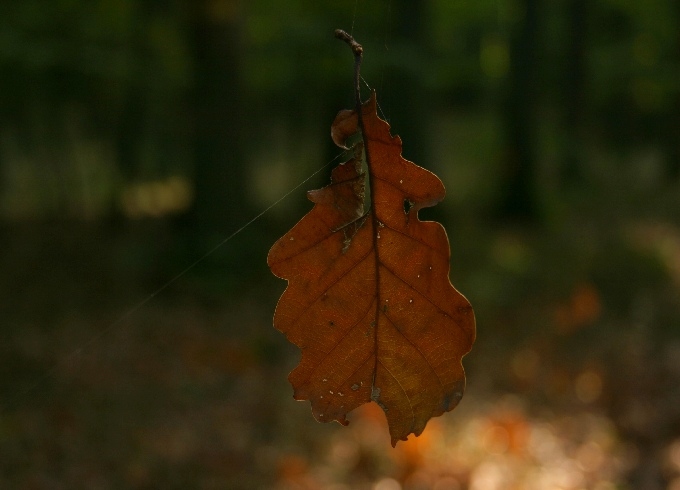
(136, 135)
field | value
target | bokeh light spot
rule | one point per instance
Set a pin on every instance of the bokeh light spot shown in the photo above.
(387, 484)
(446, 483)
(588, 386)
(674, 455)
(525, 364)
(494, 58)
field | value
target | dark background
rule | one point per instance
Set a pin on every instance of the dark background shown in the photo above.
(136, 135)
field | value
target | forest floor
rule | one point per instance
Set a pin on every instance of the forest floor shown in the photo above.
(189, 389)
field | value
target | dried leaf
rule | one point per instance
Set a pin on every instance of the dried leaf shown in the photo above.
(369, 301)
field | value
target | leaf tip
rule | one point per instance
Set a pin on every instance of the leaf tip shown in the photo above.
(395, 440)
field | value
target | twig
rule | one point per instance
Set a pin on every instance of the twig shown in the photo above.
(356, 47)
(358, 52)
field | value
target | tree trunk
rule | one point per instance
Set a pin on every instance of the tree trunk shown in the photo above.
(573, 93)
(673, 135)
(221, 197)
(519, 198)
(404, 100)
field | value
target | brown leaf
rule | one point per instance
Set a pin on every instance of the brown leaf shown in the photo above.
(369, 301)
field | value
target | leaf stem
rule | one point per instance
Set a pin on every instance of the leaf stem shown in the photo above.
(358, 51)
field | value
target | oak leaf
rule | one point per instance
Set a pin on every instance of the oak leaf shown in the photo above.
(369, 301)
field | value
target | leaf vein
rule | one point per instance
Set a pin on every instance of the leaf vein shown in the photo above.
(427, 361)
(413, 414)
(424, 244)
(411, 286)
(337, 280)
(344, 336)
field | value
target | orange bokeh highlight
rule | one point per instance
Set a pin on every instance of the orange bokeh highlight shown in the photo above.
(582, 309)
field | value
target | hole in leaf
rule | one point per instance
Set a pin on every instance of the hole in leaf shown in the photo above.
(408, 204)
